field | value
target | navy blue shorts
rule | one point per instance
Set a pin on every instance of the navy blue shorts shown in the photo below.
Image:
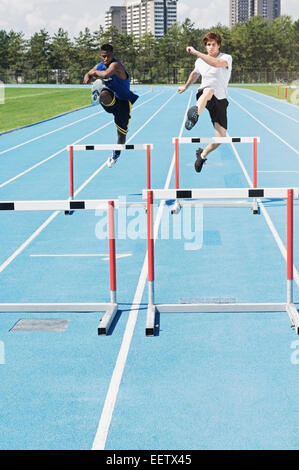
(121, 109)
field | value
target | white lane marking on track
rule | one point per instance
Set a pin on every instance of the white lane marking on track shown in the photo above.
(107, 412)
(51, 217)
(104, 256)
(28, 241)
(270, 107)
(63, 149)
(105, 163)
(56, 130)
(264, 125)
(14, 178)
(49, 133)
(267, 217)
(271, 98)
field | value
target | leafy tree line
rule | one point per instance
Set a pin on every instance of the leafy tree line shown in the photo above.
(261, 52)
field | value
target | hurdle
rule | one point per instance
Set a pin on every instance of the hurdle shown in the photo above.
(109, 308)
(99, 147)
(216, 140)
(201, 194)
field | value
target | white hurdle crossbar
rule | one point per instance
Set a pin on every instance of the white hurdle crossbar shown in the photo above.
(153, 308)
(215, 140)
(109, 308)
(95, 147)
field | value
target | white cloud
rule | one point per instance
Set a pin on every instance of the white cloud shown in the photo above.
(31, 16)
(202, 14)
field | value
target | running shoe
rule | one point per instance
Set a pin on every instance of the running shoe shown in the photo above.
(199, 160)
(192, 118)
(112, 159)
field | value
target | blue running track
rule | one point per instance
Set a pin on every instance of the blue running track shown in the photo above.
(205, 381)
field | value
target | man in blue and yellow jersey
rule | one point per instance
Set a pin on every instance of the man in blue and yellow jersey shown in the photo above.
(116, 96)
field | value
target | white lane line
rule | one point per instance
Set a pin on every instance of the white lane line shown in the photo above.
(63, 149)
(52, 217)
(28, 241)
(107, 412)
(104, 256)
(56, 130)
(50, 132)
(266, 127)
(270, 107)
(132, 136)
(278, 171)
(14, 178)
(273, 99)
(267, 217)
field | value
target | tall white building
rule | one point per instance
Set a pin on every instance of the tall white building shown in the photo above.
(146, 16)
(241, 10)
(117, 17)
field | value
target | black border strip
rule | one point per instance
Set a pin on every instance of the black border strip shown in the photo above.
(255, 193)
(184, 194)
(77, 205)
(7, 206)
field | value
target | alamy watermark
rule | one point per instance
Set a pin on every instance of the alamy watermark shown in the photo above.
(2, 353)
(295, 353)
(131, 224)
(2, 93)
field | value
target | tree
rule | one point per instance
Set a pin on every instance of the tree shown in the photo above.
(61, 50)
(3, 49)
(16, 51)
(146, 63)
(85, 50)
(284, 47)
(38, 53)
(255, 46)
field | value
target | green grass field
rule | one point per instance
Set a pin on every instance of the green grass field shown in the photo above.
(24, 106)
(276, 91)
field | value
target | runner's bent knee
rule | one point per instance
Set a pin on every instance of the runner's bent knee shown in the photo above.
(209, 92)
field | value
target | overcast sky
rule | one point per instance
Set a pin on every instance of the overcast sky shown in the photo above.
(31, 16)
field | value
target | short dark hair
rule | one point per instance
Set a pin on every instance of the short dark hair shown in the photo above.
(107, 48)
(211, 36)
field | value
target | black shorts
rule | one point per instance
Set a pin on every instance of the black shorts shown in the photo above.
(217, 109)
(121, 109)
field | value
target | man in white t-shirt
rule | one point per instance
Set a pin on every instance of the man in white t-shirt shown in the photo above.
(215, 70)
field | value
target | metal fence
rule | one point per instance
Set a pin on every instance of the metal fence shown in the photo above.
(153, 75)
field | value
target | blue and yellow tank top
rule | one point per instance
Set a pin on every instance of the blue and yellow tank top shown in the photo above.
(120, 87)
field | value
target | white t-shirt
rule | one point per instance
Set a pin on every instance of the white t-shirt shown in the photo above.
(215, 77)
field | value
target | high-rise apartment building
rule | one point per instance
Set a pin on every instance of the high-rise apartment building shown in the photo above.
(146, 16)
(269, 9)
(241, 10)
(117, 17)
